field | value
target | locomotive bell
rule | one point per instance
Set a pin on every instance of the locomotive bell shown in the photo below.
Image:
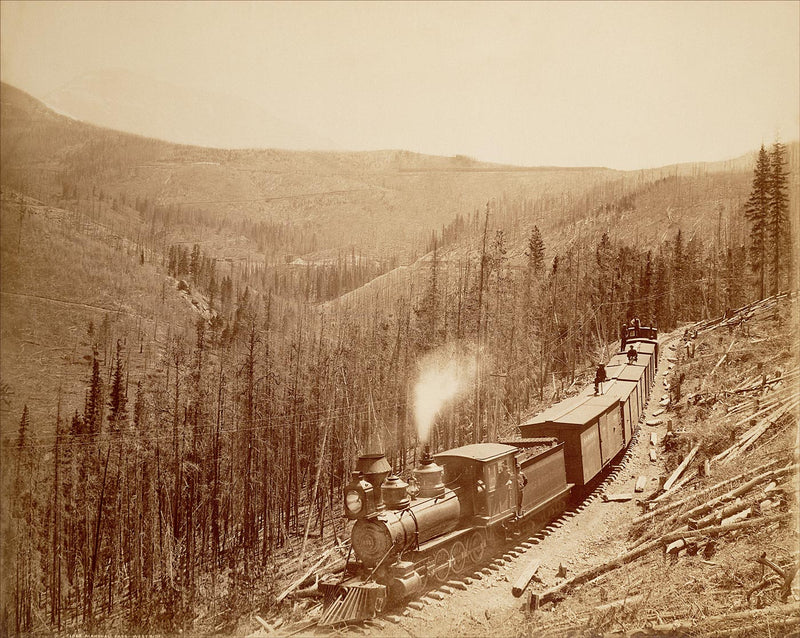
(429, 477)
(394, 492)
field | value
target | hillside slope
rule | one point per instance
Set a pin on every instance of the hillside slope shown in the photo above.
(738, 371)
(65, 284)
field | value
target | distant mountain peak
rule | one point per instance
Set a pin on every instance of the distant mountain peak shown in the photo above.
(127, 101)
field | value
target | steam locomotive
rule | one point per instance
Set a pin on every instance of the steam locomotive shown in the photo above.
(457, 503)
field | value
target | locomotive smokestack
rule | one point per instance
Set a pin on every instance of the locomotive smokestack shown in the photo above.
(426, 459)
(375, 468)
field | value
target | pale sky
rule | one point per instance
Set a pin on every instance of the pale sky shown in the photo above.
(625, 85)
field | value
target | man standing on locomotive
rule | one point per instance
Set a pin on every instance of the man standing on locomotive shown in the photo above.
(504, 486)
(522, 481)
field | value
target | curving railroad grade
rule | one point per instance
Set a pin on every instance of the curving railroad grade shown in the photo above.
(463, 507)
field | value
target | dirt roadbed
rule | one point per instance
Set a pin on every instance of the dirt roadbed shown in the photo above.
(580, 540)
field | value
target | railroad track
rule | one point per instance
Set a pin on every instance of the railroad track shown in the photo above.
(503, 555)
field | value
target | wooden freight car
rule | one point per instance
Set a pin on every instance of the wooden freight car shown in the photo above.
(591, 429)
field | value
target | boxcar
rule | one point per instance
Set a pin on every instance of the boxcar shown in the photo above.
(592, 432)
(635, 374)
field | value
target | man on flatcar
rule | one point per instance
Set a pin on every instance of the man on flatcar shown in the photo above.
(636, 326)
(623, 335)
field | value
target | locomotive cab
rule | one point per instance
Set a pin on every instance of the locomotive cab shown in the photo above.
(486, 474)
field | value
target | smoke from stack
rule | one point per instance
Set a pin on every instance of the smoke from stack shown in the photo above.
(444, 375)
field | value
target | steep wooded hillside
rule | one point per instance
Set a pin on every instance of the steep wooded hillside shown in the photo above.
(179, 410)
(379, 202)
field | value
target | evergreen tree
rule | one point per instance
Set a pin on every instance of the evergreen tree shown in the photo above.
(661, 297)
(535, 252)
(646, 290)
(21, 469)
(194, 263)
(427, 310)
(93, 407)
(117, 398)
(756, 211)
(778, 230)
(603, 293)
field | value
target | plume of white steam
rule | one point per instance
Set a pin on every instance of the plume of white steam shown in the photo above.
(443, 376)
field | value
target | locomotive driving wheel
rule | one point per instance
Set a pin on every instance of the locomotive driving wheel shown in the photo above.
(476, 546)
(440, 569)
(458, 557)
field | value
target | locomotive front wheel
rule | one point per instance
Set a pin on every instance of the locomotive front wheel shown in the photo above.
(440, 569)
(476, 547)
(458, 560)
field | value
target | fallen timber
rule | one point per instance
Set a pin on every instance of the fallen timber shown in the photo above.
(695, 495)
(708, 507)
(524, 578)
(742, 314)
(310, 571)
(752, 435)
(788, 612)
(679, 470)
(551, 594)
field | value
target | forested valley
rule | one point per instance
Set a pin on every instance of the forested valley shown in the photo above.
(185, 390)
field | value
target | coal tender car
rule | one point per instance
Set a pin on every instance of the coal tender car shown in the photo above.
(457, 503)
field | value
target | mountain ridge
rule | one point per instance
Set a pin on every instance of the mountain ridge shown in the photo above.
(130, 102)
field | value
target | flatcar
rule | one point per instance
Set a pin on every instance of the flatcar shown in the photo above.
(410, 534)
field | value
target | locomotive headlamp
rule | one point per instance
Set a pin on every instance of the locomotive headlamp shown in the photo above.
(353, 502)
(359, 500)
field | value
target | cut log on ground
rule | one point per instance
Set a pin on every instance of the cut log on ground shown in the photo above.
(524, 578)
(267, 627)
(664, 509)
(679, 470)
(618, 498)
(776, 614)
(308, 573)
(717, 517)
(641, 550)
(709, 506)
(622, 602)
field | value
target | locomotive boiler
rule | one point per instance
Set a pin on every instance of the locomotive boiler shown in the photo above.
(459, 502)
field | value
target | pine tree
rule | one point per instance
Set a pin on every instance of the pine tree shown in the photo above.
(756, 211)
(426, 312)
(646, 290)
(117, 397)
(535, 252)
(777, 220)
(21, 469)
(194, 263)
(93, 407)
(603, 294)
